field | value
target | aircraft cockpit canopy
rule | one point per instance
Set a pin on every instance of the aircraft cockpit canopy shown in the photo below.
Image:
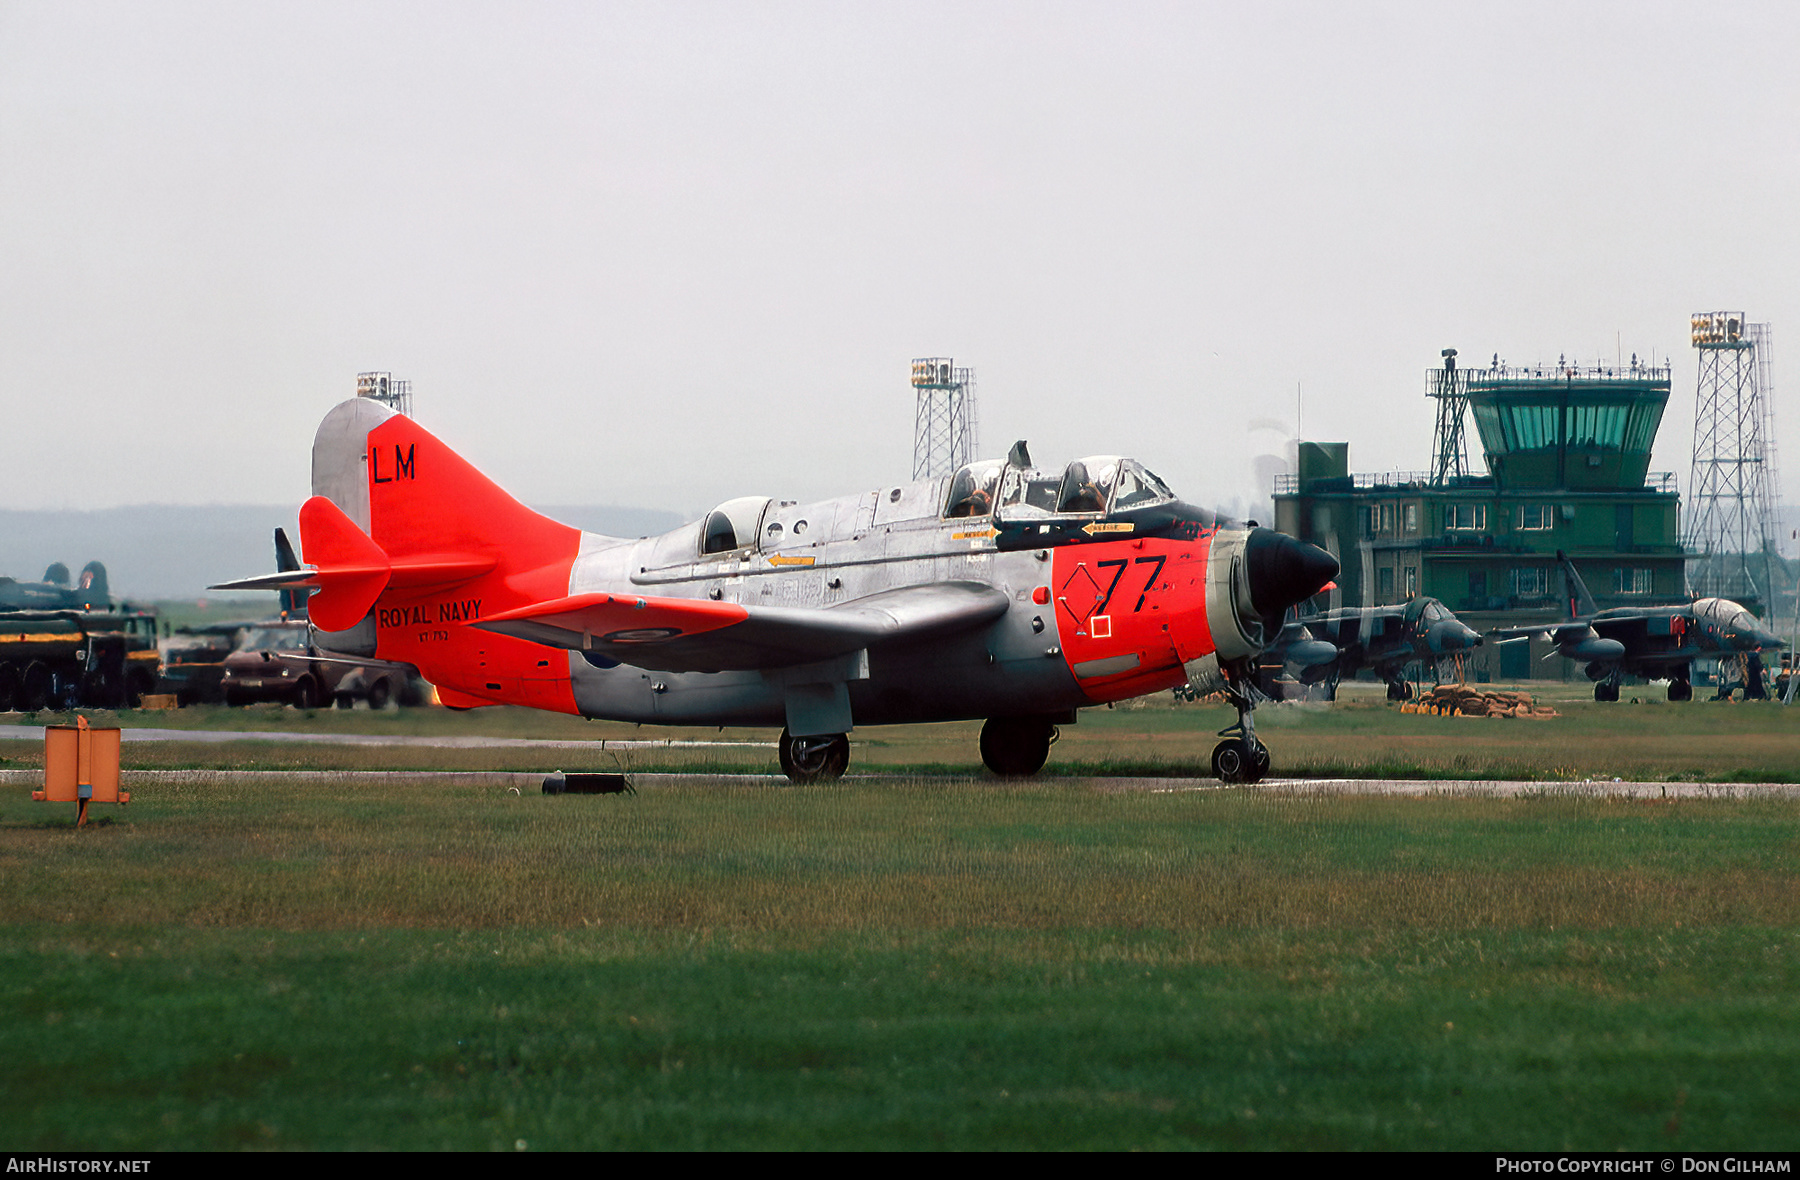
(974, 490)
(732, 525)
(1723, 615)
(1097, 484)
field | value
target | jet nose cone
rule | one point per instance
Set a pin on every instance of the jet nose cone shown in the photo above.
(1452, 636)
(1283, 571)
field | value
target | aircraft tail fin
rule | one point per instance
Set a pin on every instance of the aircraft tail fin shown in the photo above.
(389, 496)
(92, 584)
(293, 601)
(1575, 591)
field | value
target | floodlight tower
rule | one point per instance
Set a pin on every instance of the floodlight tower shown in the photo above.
(1731, 494)
(1450, 386)
(381, 387)
(944, 418)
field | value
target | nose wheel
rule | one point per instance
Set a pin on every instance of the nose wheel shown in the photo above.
(1240, 758)
(1240, 761)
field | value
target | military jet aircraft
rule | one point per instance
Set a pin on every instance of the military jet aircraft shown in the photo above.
(1001, 592)
(1654, 642)
(55, 593)
(1335, 645)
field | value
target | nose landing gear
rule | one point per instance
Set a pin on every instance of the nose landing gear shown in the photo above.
(1240, 758)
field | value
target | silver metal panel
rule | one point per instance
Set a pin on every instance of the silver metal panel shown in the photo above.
(340, 452)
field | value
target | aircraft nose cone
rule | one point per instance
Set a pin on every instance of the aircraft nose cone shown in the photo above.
(1450, 636)
(1283, 571)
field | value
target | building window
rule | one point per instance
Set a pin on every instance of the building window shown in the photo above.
(1362, 521)
(1387, 519)
(1412, 581)
(1536, 517)
(1412, 518)
(1465, 516)
(1384, 582)
(1531, 581)
(1634, 580)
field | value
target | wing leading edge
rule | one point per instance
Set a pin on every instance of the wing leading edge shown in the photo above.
(697, 635)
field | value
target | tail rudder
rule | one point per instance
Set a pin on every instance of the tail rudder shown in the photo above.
(1575, 590)
(293, 602)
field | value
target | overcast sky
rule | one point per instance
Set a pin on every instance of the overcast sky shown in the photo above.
(663, 254)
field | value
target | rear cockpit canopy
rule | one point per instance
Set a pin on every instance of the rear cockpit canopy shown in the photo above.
(974, 490)
(732, 525)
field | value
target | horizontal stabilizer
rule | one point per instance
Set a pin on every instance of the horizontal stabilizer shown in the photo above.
(699, 635)
(348, 571)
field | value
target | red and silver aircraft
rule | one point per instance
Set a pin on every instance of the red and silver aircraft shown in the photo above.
(1001, 592)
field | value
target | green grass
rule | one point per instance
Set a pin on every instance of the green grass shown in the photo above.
(898, 964)
(1360, 736)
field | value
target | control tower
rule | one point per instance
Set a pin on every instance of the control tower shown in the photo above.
(1567, 426)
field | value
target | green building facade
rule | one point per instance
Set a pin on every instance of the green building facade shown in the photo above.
(1567, 451)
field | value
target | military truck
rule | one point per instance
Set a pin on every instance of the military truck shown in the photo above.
(69, 658)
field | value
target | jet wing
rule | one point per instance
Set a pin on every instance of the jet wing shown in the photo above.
(1562, 633)
(698, 635)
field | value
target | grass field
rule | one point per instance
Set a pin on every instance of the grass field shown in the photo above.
(1361, 736)
(908, 961)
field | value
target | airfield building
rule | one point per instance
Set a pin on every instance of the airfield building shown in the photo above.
(1567, 451)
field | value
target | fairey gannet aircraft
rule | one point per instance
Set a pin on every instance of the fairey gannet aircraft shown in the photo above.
(1001, 592)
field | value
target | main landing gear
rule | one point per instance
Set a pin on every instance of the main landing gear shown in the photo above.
(814, 759)
(1240, 758)
(1015, 747)
(1681, 690)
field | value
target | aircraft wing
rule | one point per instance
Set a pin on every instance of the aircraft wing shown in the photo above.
(698, 635)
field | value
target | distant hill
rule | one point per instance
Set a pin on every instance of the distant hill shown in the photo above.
(159, 551)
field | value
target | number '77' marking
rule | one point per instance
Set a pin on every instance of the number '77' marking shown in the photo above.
(1148, 582)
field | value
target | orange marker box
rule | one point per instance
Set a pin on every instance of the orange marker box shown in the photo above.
(81, 766)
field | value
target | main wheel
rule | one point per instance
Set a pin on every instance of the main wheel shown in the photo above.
(1681, 690)
(1399, 690)
(306, 695)
(379, 694)
(812, 759)
(1015, 747)
(9, 686)
(1604, 691)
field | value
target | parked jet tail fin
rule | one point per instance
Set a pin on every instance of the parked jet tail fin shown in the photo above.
(293, 601)
(1575, 591)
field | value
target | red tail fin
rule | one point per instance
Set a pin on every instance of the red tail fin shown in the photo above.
(425, 500)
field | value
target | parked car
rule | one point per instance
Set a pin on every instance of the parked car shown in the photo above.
(279, 662)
